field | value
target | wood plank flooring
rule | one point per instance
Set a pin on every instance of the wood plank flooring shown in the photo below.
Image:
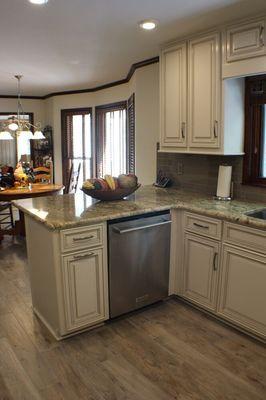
(168, 351)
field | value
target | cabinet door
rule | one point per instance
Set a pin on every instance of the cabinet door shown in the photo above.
(85, 289)
(173, 70)
(245, 40)
(204, 92)
(201, 262)
(242, 297)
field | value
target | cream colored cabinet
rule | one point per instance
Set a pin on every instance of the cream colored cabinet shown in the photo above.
(84, 288)
(242, 297)
(174, 96)
(204, 91)
(245, 40)
(200, 270)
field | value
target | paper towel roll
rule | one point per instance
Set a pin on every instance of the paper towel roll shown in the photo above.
(224, 181)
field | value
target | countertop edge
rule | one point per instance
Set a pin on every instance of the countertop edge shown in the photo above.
(222, 215)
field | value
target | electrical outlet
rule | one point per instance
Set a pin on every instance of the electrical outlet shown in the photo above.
(180, 168)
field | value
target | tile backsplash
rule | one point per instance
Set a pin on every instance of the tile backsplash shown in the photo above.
(200, 173)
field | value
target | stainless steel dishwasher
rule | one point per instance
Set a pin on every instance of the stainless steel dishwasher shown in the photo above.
(139, 257)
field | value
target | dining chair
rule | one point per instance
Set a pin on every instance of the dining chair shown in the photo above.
(42, 173)
(6, 218)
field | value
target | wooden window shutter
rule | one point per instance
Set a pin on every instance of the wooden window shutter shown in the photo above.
(67, 145)
(131, 134)
(67, 139)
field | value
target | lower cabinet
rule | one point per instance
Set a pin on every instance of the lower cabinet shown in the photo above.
(201, 261)
(84, 288)
(242, 297)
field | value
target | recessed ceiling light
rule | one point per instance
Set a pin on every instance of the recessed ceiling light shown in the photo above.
(38, 1)
(148, 24)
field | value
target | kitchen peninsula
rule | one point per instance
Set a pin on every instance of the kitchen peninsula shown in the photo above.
(217, 254)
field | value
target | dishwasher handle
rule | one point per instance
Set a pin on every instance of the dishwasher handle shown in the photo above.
(122, 231)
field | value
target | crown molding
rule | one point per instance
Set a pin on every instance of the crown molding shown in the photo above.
(131, 71)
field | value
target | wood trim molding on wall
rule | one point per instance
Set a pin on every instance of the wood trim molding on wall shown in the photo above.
(131, 71)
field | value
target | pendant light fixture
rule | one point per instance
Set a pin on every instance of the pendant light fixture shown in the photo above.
(17, 125)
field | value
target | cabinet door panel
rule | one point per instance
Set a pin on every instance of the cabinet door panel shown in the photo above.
(84, 288)
(243, 289)
(200, 270)
(174, 96)
(204, 91)
(245, 40)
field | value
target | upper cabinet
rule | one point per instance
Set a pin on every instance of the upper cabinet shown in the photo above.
(204, 84)
(193, 97)
(245, 40)
(174, 96)
(242, 44)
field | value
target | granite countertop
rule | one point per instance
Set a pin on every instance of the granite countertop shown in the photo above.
(74, 210)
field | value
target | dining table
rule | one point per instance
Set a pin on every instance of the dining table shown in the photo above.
(33, 190)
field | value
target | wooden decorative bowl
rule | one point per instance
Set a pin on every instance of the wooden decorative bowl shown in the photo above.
(110, 195)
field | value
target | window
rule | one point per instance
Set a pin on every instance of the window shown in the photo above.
(115, 138)
(12, 150)
(76, 143)
(254, 172)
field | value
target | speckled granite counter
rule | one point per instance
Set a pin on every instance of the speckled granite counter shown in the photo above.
(69, 211)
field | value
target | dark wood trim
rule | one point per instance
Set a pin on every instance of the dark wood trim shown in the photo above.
(111, 106)
(9, 96)
(253, 128)
(131, 71)
(141, 64)
(65, 141)
(99, 134)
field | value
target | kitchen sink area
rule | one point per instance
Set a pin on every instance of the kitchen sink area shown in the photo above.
(260, 214)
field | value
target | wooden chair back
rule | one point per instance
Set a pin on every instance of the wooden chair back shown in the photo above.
(42, 173)
(73, 178)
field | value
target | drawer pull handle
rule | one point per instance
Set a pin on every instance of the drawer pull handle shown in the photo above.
(261, 36)
(214, 262)
(200, 226)
(79, 257)
(183, 127)
(82, 238)
(215, 126)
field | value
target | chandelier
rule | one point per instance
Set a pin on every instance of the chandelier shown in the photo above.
(18, 125)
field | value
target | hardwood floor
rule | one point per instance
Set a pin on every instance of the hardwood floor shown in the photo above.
(168, 351)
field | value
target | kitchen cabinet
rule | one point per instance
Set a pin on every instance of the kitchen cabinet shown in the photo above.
(204, 84)
(201, 264)
(244, 48)
(242, 297)
(199, 113)
(84, 288)
(222, 269)
(245, 40)
(69, 276)
(174, 96)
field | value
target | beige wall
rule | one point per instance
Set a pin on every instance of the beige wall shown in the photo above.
(35, 106)
(147, 122)
(145, 85)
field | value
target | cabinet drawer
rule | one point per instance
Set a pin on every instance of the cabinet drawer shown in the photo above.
(250, 238)
(81, 238)
(202, 225)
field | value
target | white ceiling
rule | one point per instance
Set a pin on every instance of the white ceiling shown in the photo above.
(77, 44)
